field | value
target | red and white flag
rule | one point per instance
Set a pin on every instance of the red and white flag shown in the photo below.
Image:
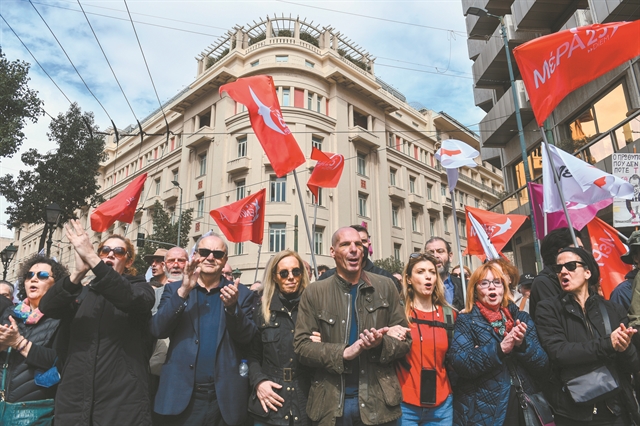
(498, 227)
(258, 94)
(327, 172)
(454, 154)
(122, 207)
(607, 249)
(490, 251)
(554, 65)
(242, 220)
(581, 182)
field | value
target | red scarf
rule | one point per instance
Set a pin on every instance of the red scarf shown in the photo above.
(500, 319)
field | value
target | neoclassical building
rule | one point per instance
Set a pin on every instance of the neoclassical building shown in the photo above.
(331, 99)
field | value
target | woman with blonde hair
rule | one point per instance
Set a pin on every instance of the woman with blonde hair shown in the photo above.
(280, 383)
(496, 352)
(426, 390)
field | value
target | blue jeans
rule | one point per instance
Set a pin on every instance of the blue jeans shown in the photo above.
(442, 415)
(351, 415)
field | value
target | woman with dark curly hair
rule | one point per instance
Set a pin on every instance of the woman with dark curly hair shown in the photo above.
(28, 341)
(105, 380)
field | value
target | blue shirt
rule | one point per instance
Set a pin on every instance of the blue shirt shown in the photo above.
(352, 380)
(209, 311)
(448, 290)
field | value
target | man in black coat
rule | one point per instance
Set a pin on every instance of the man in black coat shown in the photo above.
(441, 249)
(623, 292)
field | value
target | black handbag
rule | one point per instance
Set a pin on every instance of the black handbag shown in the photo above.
(536, 409)
(598, 384)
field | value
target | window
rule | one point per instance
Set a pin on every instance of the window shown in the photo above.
(238, 249)
(309, 64)
(202, 159)
(360, 120)
(443, 190)
(445, 220)
(319, 200)
(432, 226)
(317, 241)
(277, 235)
(463, 228)
(157, 186)
(396, 251)
(395, 213)
(412, 184)
(278, 189)
(362, 204)
(392, 177)
(242, 147)
(390, 140)
(176, 175)
(200, 208)
(285, 97)
(282, 58)
(477, 204)
(310, 100)
(255, 63)
(362, 164)
(318, 103)
(205, 119)
(534, 158)
(429, 192)
(414, 221)
(316, 142)
(240, 187)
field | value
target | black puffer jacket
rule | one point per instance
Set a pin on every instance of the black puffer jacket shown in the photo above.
(272, 358)
(105, 376)
(20, 385)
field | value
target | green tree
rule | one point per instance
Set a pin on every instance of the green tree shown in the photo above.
(390, 264)
(163, 231)
(66, 176)
(18, 103)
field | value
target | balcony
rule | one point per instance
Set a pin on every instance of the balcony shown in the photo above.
(616, 10)
(483, 98)
(397, 193)
(238, 165)
(151, 200)
(171, 195)
(551, 15)
(480, 27)
(416, 200)
(204, 134)
(433, 206)
(364, 137)
(497, 127)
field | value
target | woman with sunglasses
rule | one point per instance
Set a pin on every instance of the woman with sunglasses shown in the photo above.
(105, 376)
(280, 383)
(28, 342)
(492, 343)
(576, 331)
(426, 390)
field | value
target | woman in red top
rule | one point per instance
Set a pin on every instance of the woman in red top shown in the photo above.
(426, 391)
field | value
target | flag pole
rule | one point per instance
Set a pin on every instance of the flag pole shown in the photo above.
(313, 236)
(556, 178)
(306, 223)
(258, 263)
(455, 228)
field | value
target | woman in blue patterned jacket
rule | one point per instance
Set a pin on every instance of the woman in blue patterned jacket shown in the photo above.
(492, 335)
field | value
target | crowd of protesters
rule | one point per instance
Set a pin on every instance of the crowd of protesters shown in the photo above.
(358, 346)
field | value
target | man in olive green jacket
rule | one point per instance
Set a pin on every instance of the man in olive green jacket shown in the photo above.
(354, 379)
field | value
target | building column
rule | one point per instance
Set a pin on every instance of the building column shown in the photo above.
(350, 116)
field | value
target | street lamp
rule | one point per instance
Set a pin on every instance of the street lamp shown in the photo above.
(54, 213)
(516, 105)
(7, 255)
(176, 183)
(236, 273)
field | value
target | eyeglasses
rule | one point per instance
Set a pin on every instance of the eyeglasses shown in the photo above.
(284, 274)
(487, 283)
(569, 266)
(119, 252)
(217, 254)
(178, 261)
(42, 275)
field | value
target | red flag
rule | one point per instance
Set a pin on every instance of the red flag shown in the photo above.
(242, 220)
(327, 171)
(607, 249)
(555, 65)
(258, 94)
(499, 227)
(122, 207)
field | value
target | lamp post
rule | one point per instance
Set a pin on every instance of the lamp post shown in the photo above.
(516, 105)
(177, 184)
(236, 273)
(7, 255)
(54, 213)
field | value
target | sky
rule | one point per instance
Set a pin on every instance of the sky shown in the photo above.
(420, 49)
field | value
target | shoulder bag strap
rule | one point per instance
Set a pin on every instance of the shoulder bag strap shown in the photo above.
(517, 382)
(605, 317)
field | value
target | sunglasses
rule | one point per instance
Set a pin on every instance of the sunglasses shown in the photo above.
(42, 275)
(217, 254)
(569, 266)
(119, 252)
(416, 255)
(284, 274)
(487, 283)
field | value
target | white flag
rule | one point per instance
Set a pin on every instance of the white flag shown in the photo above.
(488, 247)
(580, 181)
(454, 154)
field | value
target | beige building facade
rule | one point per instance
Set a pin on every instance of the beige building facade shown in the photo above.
(331, 100)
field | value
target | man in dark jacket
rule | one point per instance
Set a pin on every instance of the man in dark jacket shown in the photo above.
(368, 265)
(546, 284)
(622, 293)
(441, 250)
(355, 381)
(207, 318)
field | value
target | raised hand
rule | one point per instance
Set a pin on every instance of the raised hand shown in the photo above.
(80, 241)
(229, 294)
(519, 331)
(189, 278)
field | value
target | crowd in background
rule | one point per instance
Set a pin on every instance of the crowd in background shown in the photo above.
(101, 345)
